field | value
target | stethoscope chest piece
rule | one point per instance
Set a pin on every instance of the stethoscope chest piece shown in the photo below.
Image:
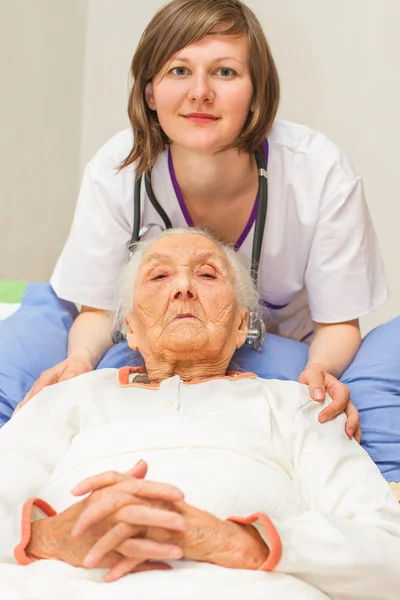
(256, 332)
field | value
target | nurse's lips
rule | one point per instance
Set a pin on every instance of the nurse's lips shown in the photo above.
(201, 117)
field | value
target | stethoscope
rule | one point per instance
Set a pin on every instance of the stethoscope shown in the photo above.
(256, 325)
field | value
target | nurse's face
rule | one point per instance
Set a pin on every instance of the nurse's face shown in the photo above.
(203, 94)
(185, 304)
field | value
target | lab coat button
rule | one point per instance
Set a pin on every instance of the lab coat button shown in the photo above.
(169, 403)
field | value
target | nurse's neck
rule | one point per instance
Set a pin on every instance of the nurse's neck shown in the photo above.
(205, 177)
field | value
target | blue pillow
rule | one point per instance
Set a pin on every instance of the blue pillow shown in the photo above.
(35, 338)
(374, 380)
(31, 340)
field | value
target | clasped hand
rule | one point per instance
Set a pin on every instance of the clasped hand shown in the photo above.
(128, 524)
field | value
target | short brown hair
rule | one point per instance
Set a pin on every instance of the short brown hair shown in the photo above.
(175, 26)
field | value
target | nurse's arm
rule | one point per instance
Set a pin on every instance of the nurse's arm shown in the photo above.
(89, 339)
(31, 445)
(334, 346)
(331, 352)
(91, 335)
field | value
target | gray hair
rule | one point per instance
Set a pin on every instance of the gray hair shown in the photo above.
(246, 293)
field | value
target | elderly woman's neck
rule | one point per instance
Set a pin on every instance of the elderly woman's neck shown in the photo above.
(158, 370)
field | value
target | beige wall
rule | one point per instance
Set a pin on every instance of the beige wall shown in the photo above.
(339, 67)
(41, 67)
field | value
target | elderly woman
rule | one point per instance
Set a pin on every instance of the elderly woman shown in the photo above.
(261, 500)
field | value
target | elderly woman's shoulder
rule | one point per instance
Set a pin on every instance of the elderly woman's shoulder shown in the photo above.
(286, 396)
(80, 389)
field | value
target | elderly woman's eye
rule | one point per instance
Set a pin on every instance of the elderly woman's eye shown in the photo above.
(158, 277)
(207, 273)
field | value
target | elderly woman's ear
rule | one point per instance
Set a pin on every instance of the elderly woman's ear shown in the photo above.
(130, 333)
(242, 331)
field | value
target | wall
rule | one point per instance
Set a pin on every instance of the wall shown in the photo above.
(41, 67)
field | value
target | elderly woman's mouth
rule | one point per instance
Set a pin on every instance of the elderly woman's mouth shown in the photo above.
(184, 316)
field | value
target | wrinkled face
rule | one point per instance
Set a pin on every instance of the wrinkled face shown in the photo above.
(203, 94)
(185, 302)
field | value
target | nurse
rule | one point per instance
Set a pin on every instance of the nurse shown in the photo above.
(204, 98)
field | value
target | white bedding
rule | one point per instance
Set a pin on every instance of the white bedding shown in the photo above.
(248, 441)
(7, 309)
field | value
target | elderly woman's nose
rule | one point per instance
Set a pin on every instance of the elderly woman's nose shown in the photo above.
(184, 287)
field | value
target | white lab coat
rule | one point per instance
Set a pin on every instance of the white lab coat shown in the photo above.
(320, 258)
(235, 445)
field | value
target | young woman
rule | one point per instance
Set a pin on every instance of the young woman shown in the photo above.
(204, 99)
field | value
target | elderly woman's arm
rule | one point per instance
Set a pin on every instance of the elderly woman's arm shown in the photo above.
(348, 543)
(31, 444)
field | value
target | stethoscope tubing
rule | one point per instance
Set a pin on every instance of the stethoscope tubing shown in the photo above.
(261, 215)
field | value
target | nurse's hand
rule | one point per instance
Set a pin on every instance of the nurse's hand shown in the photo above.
(320, 382)
(76, 364)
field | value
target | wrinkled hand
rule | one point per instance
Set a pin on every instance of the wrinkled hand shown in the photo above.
(73, 366)
(210, 539)
(135, 503)
(320, 382)
(204, 537)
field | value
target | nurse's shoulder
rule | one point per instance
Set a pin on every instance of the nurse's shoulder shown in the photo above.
(308, 147)
(114, 150)
(106, 189)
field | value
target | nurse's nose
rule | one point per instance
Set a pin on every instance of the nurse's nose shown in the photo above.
(200, 89)
(184, 288)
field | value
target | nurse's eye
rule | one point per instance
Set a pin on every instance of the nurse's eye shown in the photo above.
(179, 71)
(226, 72)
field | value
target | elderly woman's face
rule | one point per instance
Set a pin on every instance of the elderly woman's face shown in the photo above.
(185, 300)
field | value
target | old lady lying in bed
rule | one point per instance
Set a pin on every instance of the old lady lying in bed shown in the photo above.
(260, 500)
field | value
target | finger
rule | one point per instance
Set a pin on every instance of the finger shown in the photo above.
(127, 565)
(139, 487)
(353, 419)
(109, 542)
(21, 404)
(303, 378)
(121, 506)
(151, 566)
(149, 550)
(44, 380)
(49, 377)
(139, 470)
(153, 490)
(340, 395)
(100, 509)
(358, 434)
(120, 539)
(71, 372)
(148, 516)
(316, 385)
(97, 482)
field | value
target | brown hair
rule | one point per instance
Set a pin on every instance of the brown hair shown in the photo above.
(175, 26)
